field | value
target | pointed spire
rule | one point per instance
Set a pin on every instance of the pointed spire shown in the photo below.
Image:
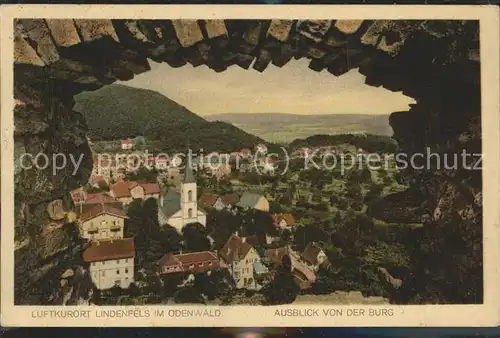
(188, 172)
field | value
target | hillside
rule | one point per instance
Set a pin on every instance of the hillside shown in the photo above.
(276, 127)
(116, 112)
(368, 142)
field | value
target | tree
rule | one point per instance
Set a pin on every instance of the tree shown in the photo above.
(283, 289)
(143, 174)
(189, 295)
(195, 237)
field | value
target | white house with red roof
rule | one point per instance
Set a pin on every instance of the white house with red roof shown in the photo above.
(127, 191)
(111, 263)
(284, 221)
(242, 260)
(101, 220)
(127, 144)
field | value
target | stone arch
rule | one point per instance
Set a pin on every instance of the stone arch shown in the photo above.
(434, 62)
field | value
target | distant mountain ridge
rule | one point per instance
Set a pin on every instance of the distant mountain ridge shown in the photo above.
(117, 111)
(283, 127)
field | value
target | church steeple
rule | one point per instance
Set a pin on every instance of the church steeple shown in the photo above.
(188, 173)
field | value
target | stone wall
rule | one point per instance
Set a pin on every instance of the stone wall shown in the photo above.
(435, 62)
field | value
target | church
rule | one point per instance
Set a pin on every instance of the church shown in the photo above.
(178, 208)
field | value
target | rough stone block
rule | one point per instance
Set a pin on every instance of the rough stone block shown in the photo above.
(372, 34)
(314, 29)
(348, 26)
(25, 54)
(215, 28)
(188, 32)
(37, 30)
(91, 30)
(263, 60)
(63, 32)
(280, 29)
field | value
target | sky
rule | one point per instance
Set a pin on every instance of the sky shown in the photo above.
(293, 89)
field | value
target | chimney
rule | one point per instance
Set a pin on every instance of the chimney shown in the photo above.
(236, 233)
(243, 239)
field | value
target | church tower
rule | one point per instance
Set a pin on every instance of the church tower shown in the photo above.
(189, 198)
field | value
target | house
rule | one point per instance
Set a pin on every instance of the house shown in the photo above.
(226, 201)
(261, 148)
(111, 263)
(313, 256)
(207, 200)
(304, 276)
(255, 201)
(284, 221)
(127, 191)
(180, 208)
(241, 259)
(190, 263)
(101, 221)
(127, 144)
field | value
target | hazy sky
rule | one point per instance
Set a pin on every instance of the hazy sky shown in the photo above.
(292, 89)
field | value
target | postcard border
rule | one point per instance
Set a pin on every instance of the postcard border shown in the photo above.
(486, 314)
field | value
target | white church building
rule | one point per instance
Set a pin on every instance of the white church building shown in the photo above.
(178, 208)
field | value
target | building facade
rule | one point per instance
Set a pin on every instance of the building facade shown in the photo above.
(178, 208)
(111, 263)
(101, 221)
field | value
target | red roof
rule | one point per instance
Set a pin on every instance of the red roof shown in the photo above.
(122, 188)
(311, 253)
(235, 249)
(276, 255)
(100, 198)
(102, 208)
(207, 200)
(109, 249)
(288, 218)
(127, 141)
(150, 188)
(230, 199)
(195, 262)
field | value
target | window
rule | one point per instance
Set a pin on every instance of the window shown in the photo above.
(190, 196)
(103, 262)
(104, 273)
(190, 212)
(191, 266)
(126, 270)
(200, 265)
(126, 260)
(118, 271)
(117, 261)
(209, 263)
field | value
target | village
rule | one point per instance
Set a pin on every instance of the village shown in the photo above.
(246, 253)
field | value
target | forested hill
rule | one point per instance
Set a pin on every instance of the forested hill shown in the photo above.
(368, 142)
(117, 112)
